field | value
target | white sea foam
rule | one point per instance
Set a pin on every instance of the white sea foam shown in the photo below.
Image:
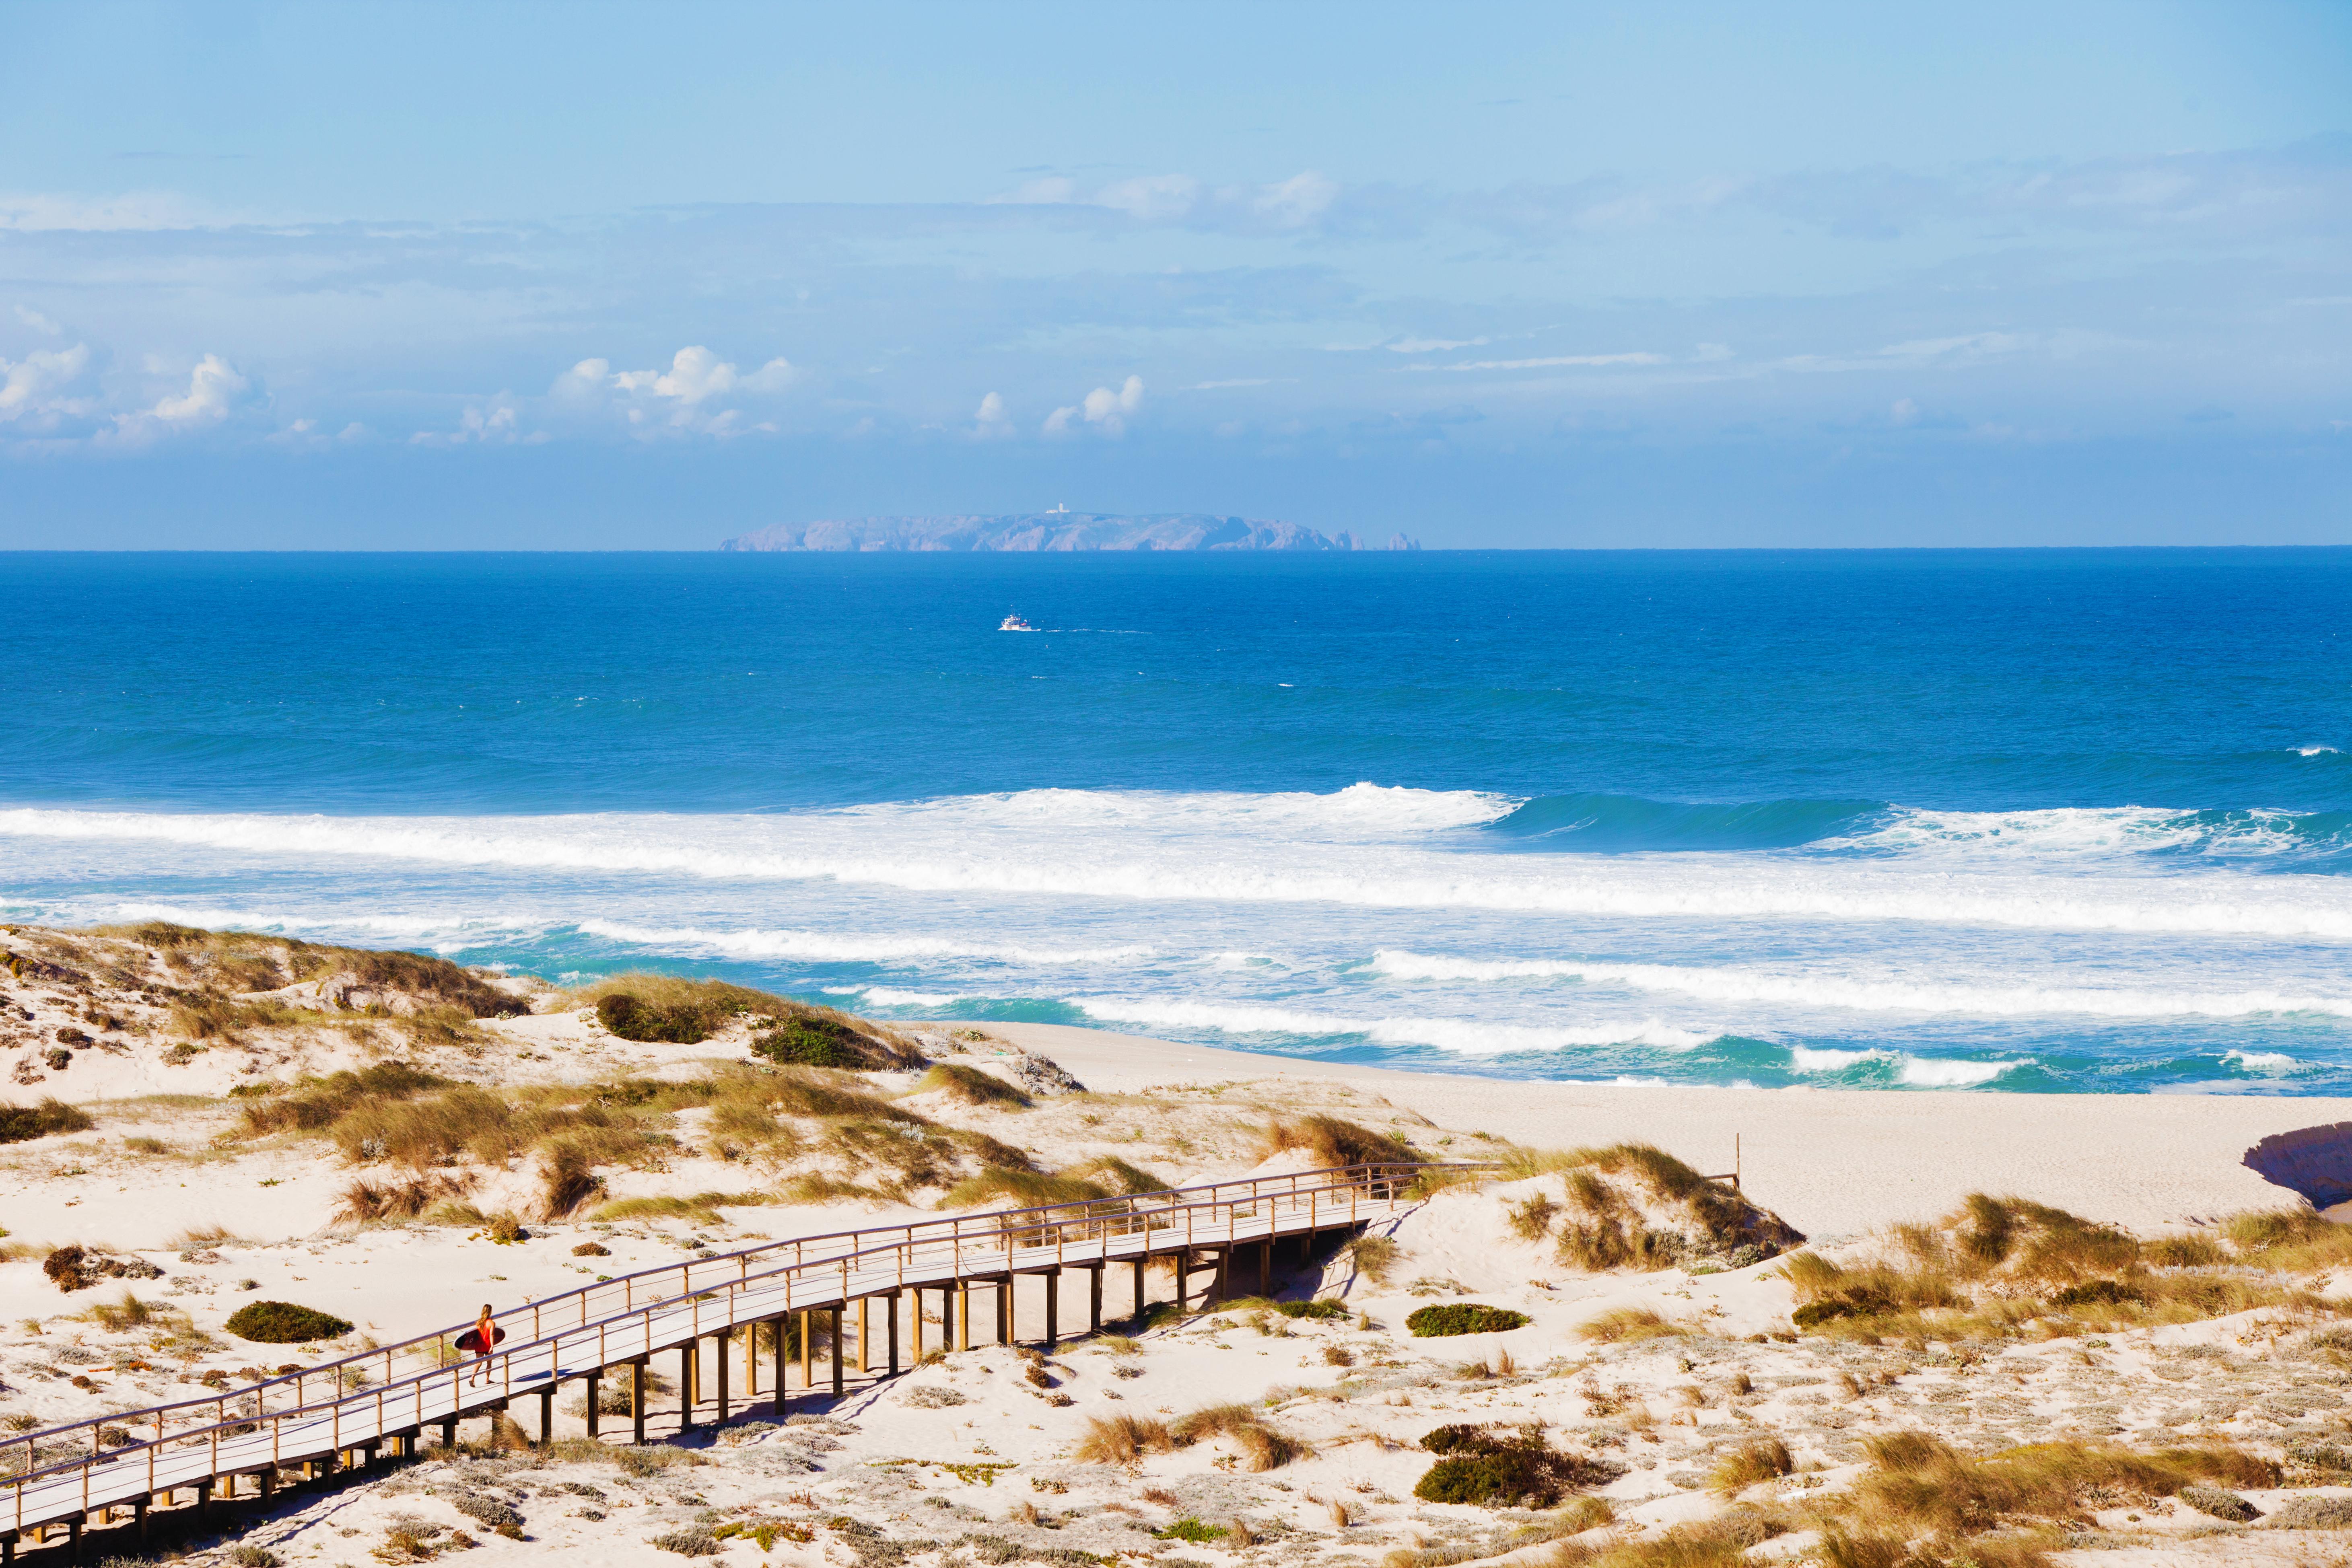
(1806, 1059)
(825, 947)
(1871, 996)
(1464, 1036)
(2075, 833)
(2314, 751)
(1919, 1071)
(2262, 1061)
(929, 847)
(1941, 1073)
(891, 997)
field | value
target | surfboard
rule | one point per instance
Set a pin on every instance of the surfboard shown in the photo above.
(472, 1339)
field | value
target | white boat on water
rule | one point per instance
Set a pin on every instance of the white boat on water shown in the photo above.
(1014, 623)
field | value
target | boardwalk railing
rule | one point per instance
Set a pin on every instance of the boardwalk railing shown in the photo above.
(129, 1457)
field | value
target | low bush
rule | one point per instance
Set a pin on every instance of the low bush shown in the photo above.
(1463, 1317)
(812, 1042)
(22, 1123)
(284, 1323)
(1311, 1309)
(1481, 1465)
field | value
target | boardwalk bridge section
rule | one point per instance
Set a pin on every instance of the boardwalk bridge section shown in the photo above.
(837, 1288)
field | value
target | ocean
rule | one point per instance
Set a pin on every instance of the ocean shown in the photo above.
(1993, 821)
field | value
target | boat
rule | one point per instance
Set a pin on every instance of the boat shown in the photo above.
(1014, 623)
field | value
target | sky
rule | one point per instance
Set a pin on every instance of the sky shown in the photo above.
(596, 275)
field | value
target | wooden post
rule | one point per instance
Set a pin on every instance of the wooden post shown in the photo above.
(808, 1348)
(915, 1331)
(637, 1394)
(862, 1336)
(1052, 1308)
(963, 1314)
(139, 1516)
(1005, 1300)
(1094, 1298)
(837, 1352)
(1140, 1264)
(751, 1361)
(894, 1333)
(1183, 1278)
(547, 1413)
(596, 1382)
(688, 1363)
(725, 1337)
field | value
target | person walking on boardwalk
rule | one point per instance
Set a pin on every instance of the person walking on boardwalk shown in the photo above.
(481, 1339)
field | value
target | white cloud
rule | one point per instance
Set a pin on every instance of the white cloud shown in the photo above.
(675, 397)
(1300, 202)
(214, 389)
(1633, 359)
(38, 322)
(33, 212)
(1103, 408)
(33, 388)
(990, 421)
(1431, 345)
(1904, 411)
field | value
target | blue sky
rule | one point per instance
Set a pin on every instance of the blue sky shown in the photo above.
(585, 274)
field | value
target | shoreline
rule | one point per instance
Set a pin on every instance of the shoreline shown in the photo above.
(1833, 1162)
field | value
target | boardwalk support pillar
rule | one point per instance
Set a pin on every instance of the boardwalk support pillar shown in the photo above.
(687, 1357)
(836, 1352)
(637, 1396)
(595, 1391)
(547, 1413)
(1052, 1308)
(1094, 1298)
(894, 1333)
(726, 1343)
(1141, 1265)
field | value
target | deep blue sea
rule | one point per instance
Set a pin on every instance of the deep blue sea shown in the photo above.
(2034, 820)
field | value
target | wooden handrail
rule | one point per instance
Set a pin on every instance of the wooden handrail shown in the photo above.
(1011, 1231)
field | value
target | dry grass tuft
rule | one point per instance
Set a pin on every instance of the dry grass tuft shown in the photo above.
(973, 1087)
(1026, 1189)
(1121, 1439)
(367, 1202)
(1761, 1459)
(2000, 1266)
(1333, 1141)
(1373, 1256)
(1619, 1325)
(1264, 1448)
(1124, 1179)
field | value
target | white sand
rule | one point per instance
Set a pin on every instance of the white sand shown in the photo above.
(1833, 1162)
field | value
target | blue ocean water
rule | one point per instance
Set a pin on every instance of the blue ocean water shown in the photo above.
(2038, 820)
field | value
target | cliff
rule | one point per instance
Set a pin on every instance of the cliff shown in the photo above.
(1053, 531)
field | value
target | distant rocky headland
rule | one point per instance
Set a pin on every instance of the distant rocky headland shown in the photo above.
(1056, 531)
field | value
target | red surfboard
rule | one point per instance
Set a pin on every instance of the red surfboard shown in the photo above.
(472, 1339)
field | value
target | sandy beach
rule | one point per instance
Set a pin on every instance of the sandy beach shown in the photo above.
(1696, 1369)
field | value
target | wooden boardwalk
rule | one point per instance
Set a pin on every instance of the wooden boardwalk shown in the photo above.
(343, 1413)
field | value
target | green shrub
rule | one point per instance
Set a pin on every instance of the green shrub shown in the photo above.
(1310, 1309)
(809, 1042)
(283, 1322)
(1463, 1317)
(19, 1124)
(1193, 1530)
(1481, 1467)
(632, 1017)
